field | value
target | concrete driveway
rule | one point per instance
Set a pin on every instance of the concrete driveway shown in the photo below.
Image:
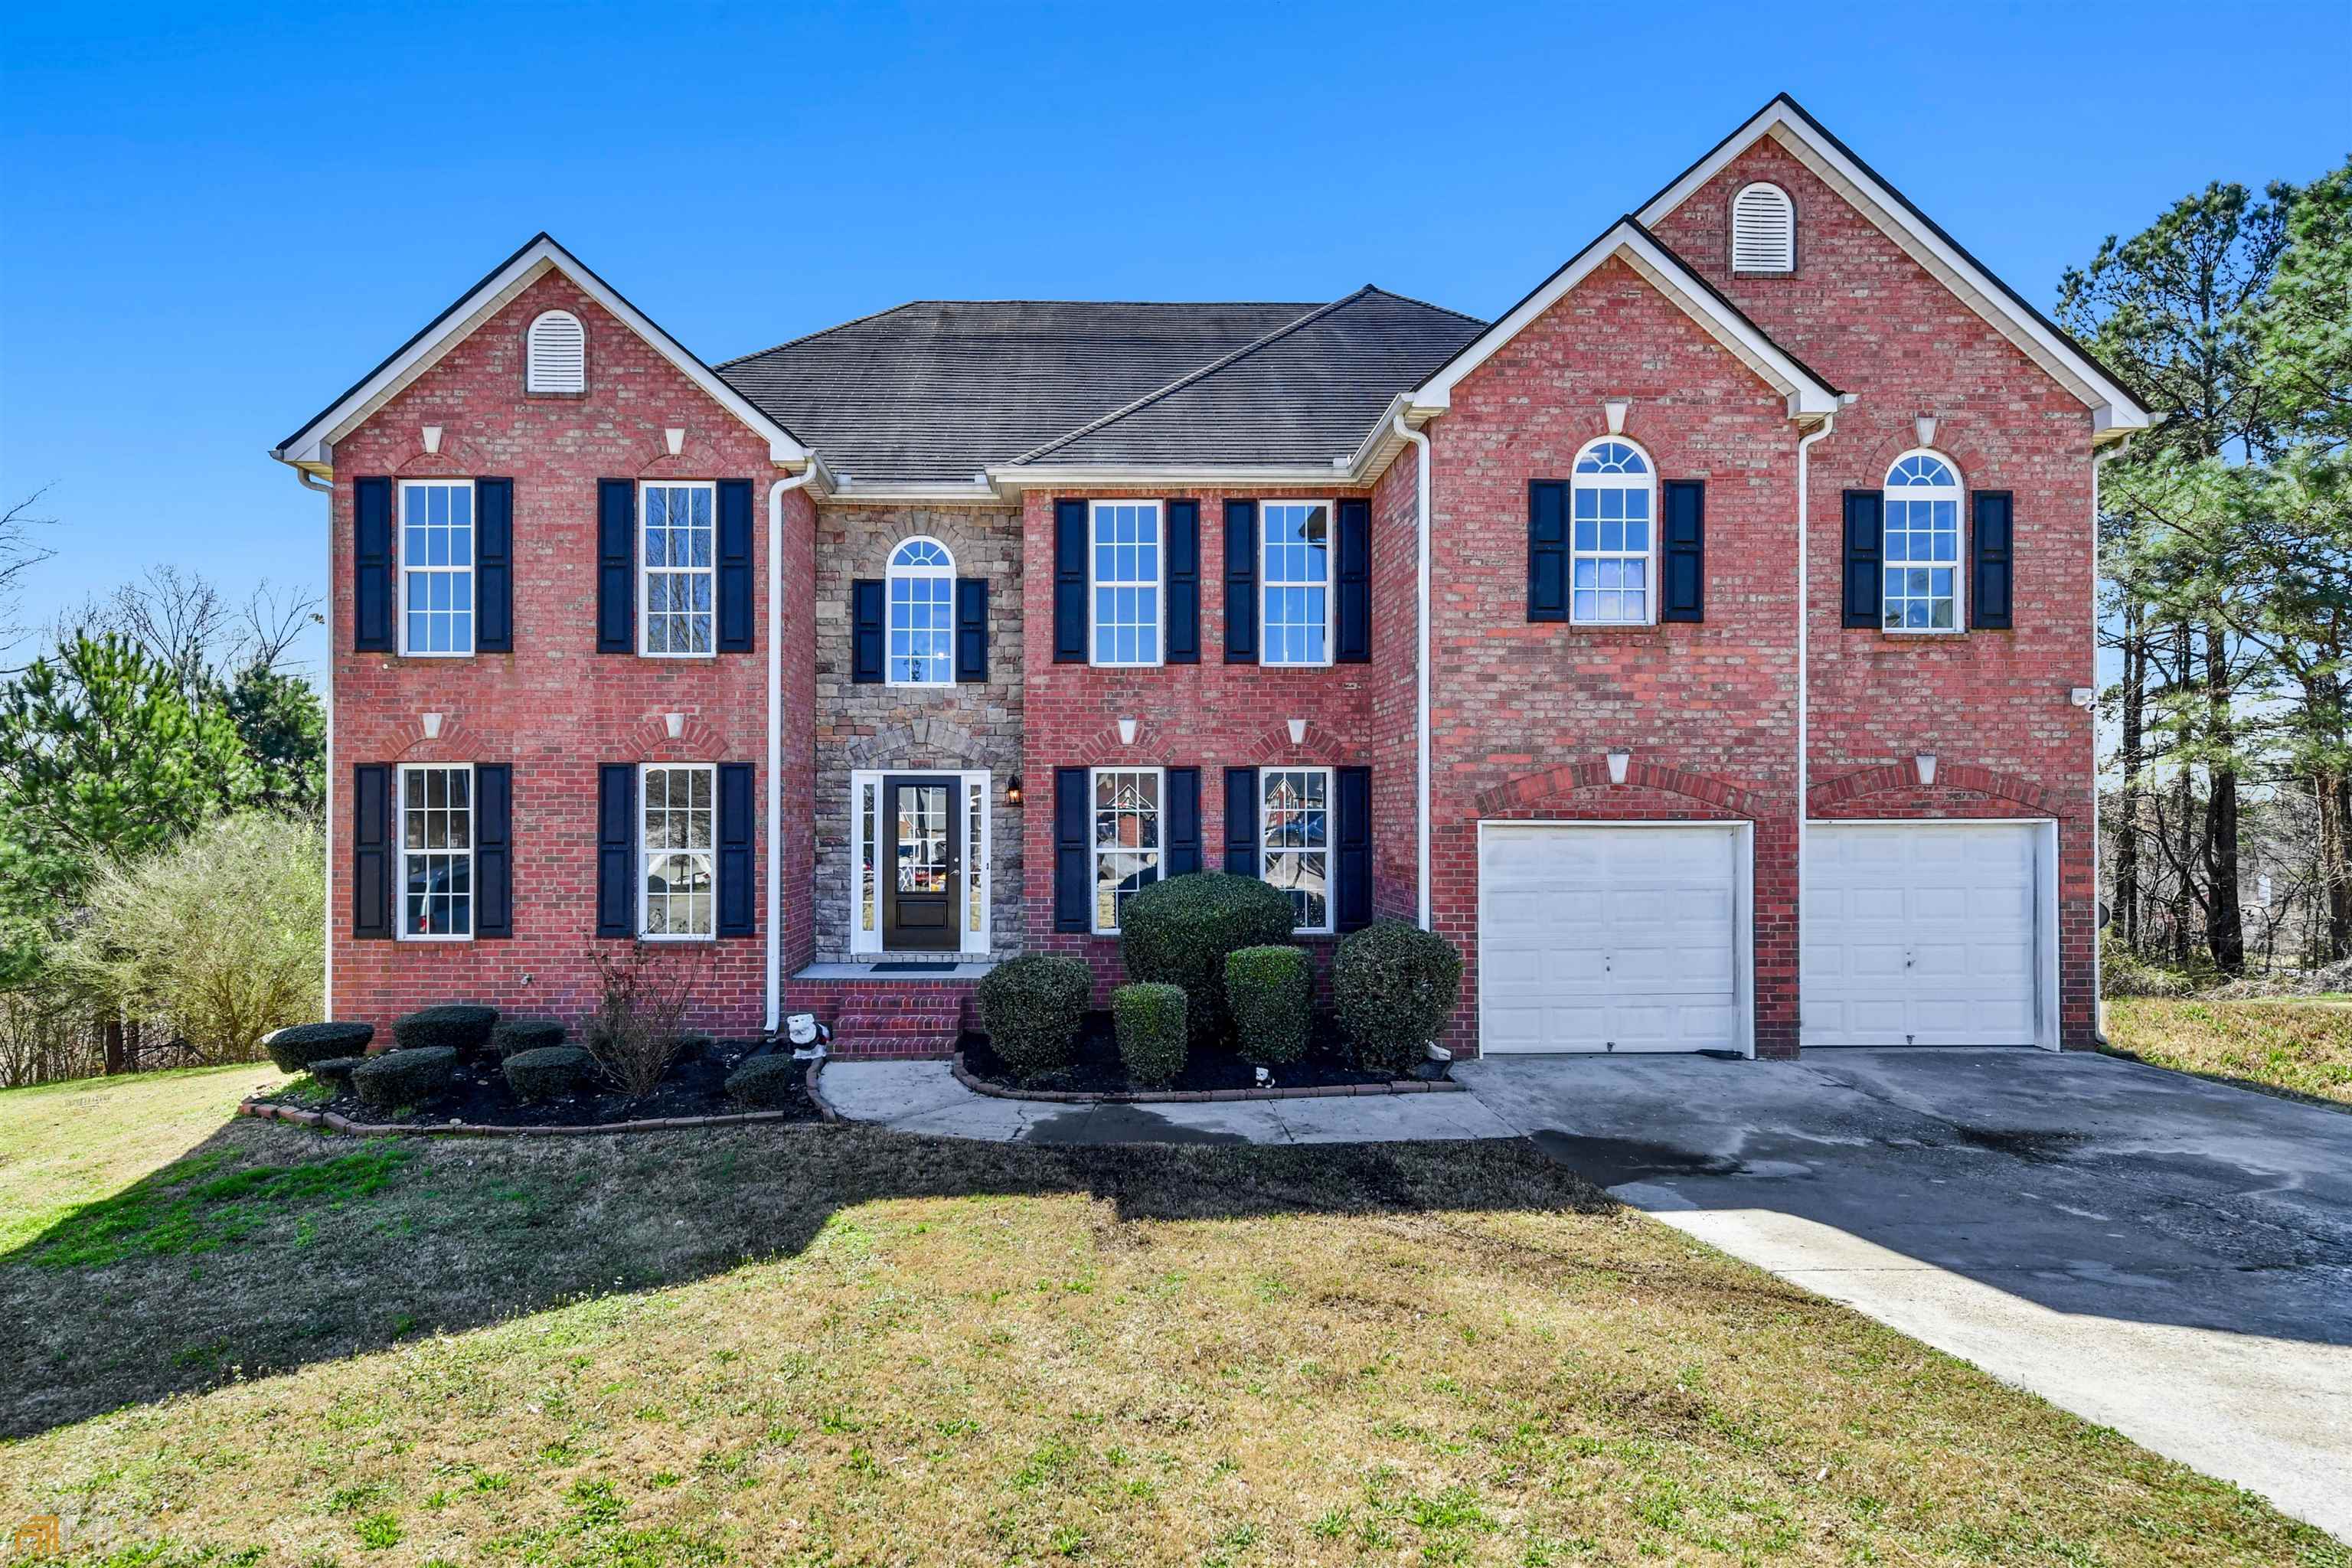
(2165, 1256)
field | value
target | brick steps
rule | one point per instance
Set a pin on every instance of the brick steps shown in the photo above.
(867, 1027)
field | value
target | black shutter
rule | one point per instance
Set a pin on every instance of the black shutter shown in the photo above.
(1241, 821)
(1991, 517)
(1546, 550)
(735, 880)
(1181, 823)
(1183, 581)
(616, 566)
(1353, 909)
(1866, 528)
(1354, 642)
(494, 565)
(1241, 582)
(371, 850)
(371, 566)
(1682, 556)
(734, 566)
(616, 849)
(1073, 824)
(866, 630)
(1070, 583)
(493, 849)
(972, 629)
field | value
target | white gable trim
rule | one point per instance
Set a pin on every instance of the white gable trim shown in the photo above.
(1807, 395)
(2112, 404)
(312, 446)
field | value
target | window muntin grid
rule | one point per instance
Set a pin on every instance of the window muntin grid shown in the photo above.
(922, 588)
(1126, 847)
(1921, 589)
(1296, 624)
(678, 830)
(1614, 533)
(678, 545)
(1126, 582)
(437, 851)
(437, 567)
(1294, 841)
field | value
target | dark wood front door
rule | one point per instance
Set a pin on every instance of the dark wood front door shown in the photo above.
(922, 863)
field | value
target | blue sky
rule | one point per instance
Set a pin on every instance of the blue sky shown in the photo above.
(219, 217)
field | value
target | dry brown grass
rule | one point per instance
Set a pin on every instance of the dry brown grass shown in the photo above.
(830, 1345)
(2302, 1048)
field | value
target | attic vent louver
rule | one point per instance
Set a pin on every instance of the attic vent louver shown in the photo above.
(1763, 230)
(557, 354)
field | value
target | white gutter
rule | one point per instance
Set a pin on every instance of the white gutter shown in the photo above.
(2098, 936)
(327, 795)
(776, 493)
(1804, 631)
(1421, 667)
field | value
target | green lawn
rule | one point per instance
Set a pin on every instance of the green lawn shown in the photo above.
(2302, 1048)
(828, 1345)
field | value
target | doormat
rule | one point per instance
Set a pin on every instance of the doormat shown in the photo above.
(911, 966)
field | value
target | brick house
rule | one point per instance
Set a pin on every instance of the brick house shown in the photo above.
(1704, 647)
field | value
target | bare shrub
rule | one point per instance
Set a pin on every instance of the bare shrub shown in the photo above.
(644, 992)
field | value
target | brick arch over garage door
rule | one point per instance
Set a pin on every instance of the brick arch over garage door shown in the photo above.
(1961, 789)
(1532, 790)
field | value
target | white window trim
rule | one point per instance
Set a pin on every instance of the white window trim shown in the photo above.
(976, 942)
(530, 356)
(1596, 481)
(1787, 208)
(890, 575)
(401, 567)
(1160, 532)
(1095, 852)
(645, 856)
(644, 572)
(1330, 850)
(473, 851)
(1330, 583)
(1960, 541)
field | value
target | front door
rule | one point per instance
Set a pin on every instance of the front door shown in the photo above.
(922, 862)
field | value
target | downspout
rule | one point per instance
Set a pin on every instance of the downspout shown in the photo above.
(2098, 934)
(326, 796)
(1420, 669)
(1804, 667)
(776, 493)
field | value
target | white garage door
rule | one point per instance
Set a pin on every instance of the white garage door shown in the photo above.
(1611, 939)
(1920, 934)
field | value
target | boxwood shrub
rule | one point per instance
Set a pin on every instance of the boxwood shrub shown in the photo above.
(295, 1049)
(1150, 1016)
(335, 1072)
(406, 1076)
(766, 1083)
(1395, 987)
(1271, 991)
(1180, 932)
(548, 1072)
(462, 1028)
(1034, 1007)
(512, 1036)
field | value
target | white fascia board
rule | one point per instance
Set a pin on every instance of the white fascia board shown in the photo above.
(313, 445)
(977, 491)
(1012, 481)
(2113, 407)
(1807, 396)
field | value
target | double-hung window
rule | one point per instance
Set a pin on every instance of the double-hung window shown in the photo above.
(437, 567)
(1294, 840)
(679, 873)
(678, 545)
(1297, 623)
(922, 614)
(1923, 545)
(1610, 564)
(1125, 839)
(437, 851)
(1128, 568)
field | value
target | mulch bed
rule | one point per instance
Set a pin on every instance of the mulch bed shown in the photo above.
(1327, 1066)
(479, 1097)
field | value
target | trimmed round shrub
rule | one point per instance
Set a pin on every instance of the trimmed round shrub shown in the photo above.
(296, 1049)
(406, 1076)
(1271, 991)
(512, 1036)
(1395, 987)
(335, 1072)
(464, 1029)
(1150, 1016)
(548, 1072)
(766, 1083)
(1034, 1007)
(1180, 932)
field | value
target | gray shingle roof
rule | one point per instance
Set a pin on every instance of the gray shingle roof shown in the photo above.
(938, 389)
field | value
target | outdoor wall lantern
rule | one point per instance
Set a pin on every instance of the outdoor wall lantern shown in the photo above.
(1013, 792)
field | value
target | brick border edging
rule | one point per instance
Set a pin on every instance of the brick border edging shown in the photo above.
(979, 1085)
(335, 1122)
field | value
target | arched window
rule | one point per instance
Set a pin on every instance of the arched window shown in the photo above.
(557, 355)
(922, 614)
(1610, 567)
(1922, 545)
(1763, 230)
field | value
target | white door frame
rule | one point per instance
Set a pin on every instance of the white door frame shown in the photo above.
(1743, 907)
(978, 856)
(2046, 910)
